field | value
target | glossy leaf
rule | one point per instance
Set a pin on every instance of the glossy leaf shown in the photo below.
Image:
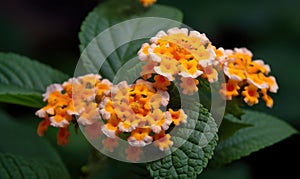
(120, 30)
(23, 154)
(23, 80)
(263, 130)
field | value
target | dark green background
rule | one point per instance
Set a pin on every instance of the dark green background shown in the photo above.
(47, 30)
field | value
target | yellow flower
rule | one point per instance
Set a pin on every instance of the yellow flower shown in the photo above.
(140, 137)
(221, 56)
(189, 85)
(61, 117)
(272, 84)
(268, 100)
(111, 127)
(256, 80)
(159, 121)
(258, 66)
(178, 116)
(102, 88)
(234, 73)
(163, 141)
(251, 95)
(211, 74)
(168, 68)
(89, 115)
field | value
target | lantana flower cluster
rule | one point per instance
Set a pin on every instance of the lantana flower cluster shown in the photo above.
(141, 110)
(188, 55)
(179, 53)
(137, 109)
(76, 100)
(245, 77)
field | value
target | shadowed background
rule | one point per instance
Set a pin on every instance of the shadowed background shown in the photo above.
(48, 31)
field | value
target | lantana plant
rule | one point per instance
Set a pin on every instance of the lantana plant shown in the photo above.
(161, 121)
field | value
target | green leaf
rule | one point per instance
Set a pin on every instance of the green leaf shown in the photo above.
(25, 155)
(189, 159)
(265, 130)
(115, 45)
(228, 128)
(23, 80)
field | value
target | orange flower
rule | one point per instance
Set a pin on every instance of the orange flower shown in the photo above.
(268, 100)
(162, 141)
(178, 116)
(250, 95)
(161, 82)
(147, 3)
(230, 89)
(43, 126)
(140, 137)
(62, 136)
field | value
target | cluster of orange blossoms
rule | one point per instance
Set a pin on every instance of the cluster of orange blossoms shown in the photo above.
(245, 77)
(76, 100)
(179, 53)
(136, 109)
(141, 109)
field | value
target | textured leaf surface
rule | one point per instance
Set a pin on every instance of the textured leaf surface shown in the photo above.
(25, 155)
(115, 46)
(22, 81)
(189, 159)
(263, 130)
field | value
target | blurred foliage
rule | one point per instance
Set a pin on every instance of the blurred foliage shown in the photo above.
(37, 158)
